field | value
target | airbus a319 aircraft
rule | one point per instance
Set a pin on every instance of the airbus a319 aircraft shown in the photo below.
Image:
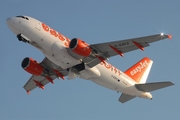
(76, 58)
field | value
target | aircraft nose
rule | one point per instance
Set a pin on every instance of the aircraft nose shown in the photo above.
(9, 21)
(11, 24)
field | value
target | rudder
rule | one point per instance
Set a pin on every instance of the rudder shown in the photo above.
(140, 71)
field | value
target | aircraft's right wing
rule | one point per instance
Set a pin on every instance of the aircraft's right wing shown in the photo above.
(41, 81)
(103, 51)
(122, 46)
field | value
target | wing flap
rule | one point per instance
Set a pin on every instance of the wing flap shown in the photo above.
(125, 97)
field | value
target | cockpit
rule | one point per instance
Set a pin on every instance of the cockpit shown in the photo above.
(23, 17)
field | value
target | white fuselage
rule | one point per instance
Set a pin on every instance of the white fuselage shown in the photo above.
(53, 45)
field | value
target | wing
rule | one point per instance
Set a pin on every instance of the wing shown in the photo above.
(127, 45)
(103, 51)
(41, 81)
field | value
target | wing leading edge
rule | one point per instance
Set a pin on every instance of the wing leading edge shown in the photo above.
(128, 45)
(109, 49)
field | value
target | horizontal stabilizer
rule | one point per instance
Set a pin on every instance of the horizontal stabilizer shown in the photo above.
(148, 87)
(125, 97)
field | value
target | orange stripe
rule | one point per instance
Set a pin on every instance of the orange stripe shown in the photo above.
(138, 69)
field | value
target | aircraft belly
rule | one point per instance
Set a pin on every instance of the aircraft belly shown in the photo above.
(108, 84)
(116, 86)
(52, 48)
(39, 39)
(121, 85)
(106, 80)
(62, 57)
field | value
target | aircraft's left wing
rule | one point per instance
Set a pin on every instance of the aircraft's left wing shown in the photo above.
(41, 81)
(109, 49)
(30, 85)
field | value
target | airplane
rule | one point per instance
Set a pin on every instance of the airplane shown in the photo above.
(76, 58)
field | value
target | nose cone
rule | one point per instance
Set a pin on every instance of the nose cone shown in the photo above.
(12, 23)
(9, 22)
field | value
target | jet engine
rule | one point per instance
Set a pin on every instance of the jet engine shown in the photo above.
(80, 47)
(32, 66)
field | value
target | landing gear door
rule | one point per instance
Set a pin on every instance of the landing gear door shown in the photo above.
(38, 25)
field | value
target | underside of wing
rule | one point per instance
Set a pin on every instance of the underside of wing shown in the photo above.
(128, 45)
(37, 81)
(103, 51)
(53, 72)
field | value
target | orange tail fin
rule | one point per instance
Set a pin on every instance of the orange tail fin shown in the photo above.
(140, 71)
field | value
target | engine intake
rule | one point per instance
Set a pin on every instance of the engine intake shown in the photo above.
(32, 66)
(80, 47)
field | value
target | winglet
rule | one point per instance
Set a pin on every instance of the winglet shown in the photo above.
(28, 92)
(169, 36)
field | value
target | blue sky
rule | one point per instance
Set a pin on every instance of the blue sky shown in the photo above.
(93, 21)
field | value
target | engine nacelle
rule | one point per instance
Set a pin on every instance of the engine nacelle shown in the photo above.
(80, 47)
(32, 66)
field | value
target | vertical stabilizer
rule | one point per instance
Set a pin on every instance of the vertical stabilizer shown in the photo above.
(140, 71)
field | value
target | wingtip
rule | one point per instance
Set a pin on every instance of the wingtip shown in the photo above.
(169, 36)
(28, 92)
(172, 83)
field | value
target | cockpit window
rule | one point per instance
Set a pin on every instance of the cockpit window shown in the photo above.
(23, 17)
